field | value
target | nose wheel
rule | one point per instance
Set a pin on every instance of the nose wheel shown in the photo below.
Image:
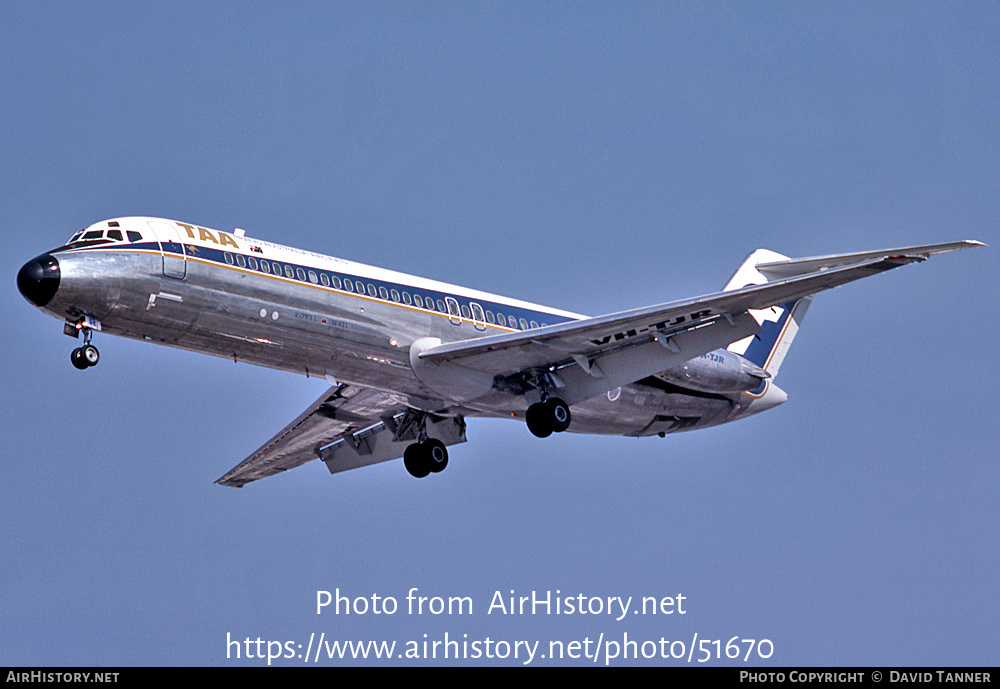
(85, 357)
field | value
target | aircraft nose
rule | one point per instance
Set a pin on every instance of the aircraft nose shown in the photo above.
(38, 279)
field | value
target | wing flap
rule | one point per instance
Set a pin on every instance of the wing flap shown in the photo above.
(341, 410)
(380, 444)
(641, 357)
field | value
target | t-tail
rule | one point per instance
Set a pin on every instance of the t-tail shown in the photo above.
(779, 325)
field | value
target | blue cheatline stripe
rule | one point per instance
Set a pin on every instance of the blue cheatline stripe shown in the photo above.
(217, 256)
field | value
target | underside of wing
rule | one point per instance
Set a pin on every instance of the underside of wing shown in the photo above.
(792, 279)
(342, 428)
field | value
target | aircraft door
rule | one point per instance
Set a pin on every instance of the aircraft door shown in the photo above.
(171, 249)
(478, 318)
(453, 312)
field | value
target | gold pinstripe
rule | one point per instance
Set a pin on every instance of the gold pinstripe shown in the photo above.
(774, 349)
(300, 283)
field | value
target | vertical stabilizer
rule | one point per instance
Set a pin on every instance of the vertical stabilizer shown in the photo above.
(779, 323)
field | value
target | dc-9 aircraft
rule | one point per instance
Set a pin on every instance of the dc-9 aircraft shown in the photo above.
(409, 359)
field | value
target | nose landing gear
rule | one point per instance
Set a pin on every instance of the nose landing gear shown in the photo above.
(87, 355)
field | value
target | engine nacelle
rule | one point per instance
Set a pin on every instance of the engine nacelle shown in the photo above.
(718, 371)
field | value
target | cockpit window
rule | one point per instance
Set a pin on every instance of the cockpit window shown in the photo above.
(89, 237)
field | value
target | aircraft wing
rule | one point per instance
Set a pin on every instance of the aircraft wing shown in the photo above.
(687, 328)
(350, 426)
(346, 428)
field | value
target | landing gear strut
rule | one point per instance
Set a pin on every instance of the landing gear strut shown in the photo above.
(427, 455)
(548, 417)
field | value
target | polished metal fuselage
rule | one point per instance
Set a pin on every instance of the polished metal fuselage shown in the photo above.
(195, 301)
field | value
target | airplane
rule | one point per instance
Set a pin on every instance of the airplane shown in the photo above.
(409, 359)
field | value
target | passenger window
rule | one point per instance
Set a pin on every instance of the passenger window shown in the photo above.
(253, 262)
(325, 279)
(336, 282)
(264, 266)
(229, 258)
(512, 321)
(312, 277)
(418, 300)
(524, 324)
(383, 292)
(440, 305)
(395, 295)
(301, 274)
(371, 289)
(242, 262)
(465, 311)
(348, 285)
(534, 324)
(489, 317)
(289, 273)
(406, 298)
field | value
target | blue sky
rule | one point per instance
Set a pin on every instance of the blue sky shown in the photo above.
(579, 155)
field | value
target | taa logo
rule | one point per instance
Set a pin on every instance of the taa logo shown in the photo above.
(209, 236)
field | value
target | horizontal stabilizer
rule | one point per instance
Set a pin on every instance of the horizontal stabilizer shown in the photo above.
(776, 270)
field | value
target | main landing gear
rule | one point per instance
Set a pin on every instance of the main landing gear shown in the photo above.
(548, 417)
(427, 457)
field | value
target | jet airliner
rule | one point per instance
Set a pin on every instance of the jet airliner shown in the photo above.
(409, 359)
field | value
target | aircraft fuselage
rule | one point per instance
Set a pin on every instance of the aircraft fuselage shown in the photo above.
(261, 303)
